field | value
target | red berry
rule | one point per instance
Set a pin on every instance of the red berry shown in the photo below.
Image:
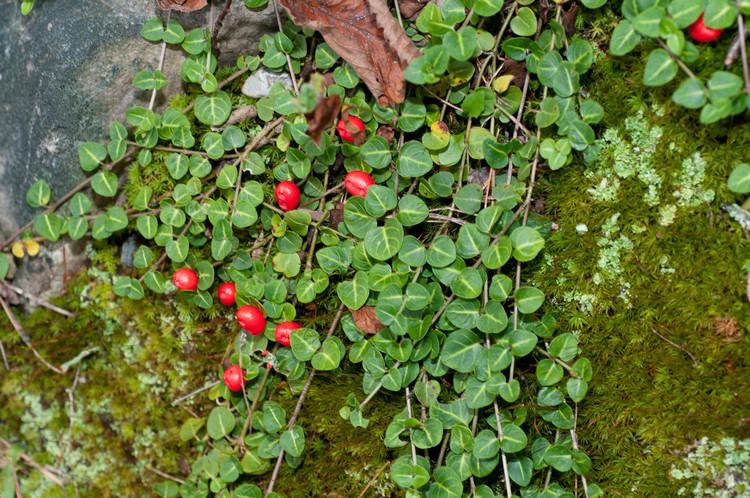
(287, 195)
(234, 378)
(357, 182)
(251, 319)
(701, 33)
(264, 352)
(284, 331)
(348, 126)
(185, 279)
(269, 366)
(227, 293)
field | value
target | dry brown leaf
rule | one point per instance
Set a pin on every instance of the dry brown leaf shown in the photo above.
(366, 320)
(364, 34)
(386, 132)
(410, 8)
(323, 116)
(569, 19)
(517, 69)
(182, 5)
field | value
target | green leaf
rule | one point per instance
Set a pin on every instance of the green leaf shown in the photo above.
(469, 198)
(90, 155)
(177, 249)
(414, 160)
(685, 12)
(213, 109)
(39, 194)
(4, 265)
(461, 44)
(460, 350)
(329, 356)
(104, 183)
(486, 444)
(173, 33)
(624, 38)
(691, 94)
(564, 346)
(524, 23)
(720, 14)
(526, 243)
(412, 210)
(153, 30)
(375, 152)
(576, 389)
(128, 287)
(442, 252)
(486, 8)
(724, 85)
(379, 200)
(382, 243)
(513, 440)
(647, 22)
(471, 241)
(293, 441)
(354, 293)
(446, 484)
(406, 475)
(528, 299)
(520, 470)
(149, 80)
(220, 423)
(49, 226)
(739, 179)
(147, 226)
(304, 343)
(660, 68)
(548, 372)
(468, 284)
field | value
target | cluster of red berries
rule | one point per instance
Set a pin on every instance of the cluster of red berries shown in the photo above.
(249, 317)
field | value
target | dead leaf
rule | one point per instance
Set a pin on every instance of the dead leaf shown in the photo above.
(366, 320)
(727, 328)
(323, 116)
(336, 215)
(364, 34)
(517, 69)
(569, 19)
(386, 132)
(182, 5)
(410, 8)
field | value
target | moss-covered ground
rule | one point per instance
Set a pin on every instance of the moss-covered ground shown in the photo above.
(656, 259)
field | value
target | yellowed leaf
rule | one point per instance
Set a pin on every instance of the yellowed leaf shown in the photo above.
(501, 83)
(17, 249)
(32, 247)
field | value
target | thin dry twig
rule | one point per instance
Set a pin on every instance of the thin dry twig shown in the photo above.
(163, 474)
(51, 473)
(189, 395)
(25, 337)
(36, 300)
(374, 479)
(672, 343)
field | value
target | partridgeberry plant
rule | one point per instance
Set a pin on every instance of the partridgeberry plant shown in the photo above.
(408, 204)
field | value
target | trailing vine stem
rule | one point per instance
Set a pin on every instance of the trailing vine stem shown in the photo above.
(298, 406)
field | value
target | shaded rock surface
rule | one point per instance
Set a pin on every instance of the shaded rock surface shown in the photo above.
(65, 75)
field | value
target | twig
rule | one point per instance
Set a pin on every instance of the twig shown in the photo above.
(78, 358)
(220, 20)
(409, 413)
(558, 361)
(5, 358)
(298, 406)
(162, 56)
(36, 300)
(51, 473)
(681, 348)
(288, 59)
(165, 475)
(193, 393)
(574, 440)
(742, 33)
(373, 480)
(251, 410)
(24, 337)
(679, 61)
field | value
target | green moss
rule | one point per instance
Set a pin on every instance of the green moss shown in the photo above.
(682, 272)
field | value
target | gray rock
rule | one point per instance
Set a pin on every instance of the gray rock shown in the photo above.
(259, 84)
(65, 75)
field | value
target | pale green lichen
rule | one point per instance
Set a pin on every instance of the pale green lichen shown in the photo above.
(715, 470)
(625, 157)
(689, 183)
